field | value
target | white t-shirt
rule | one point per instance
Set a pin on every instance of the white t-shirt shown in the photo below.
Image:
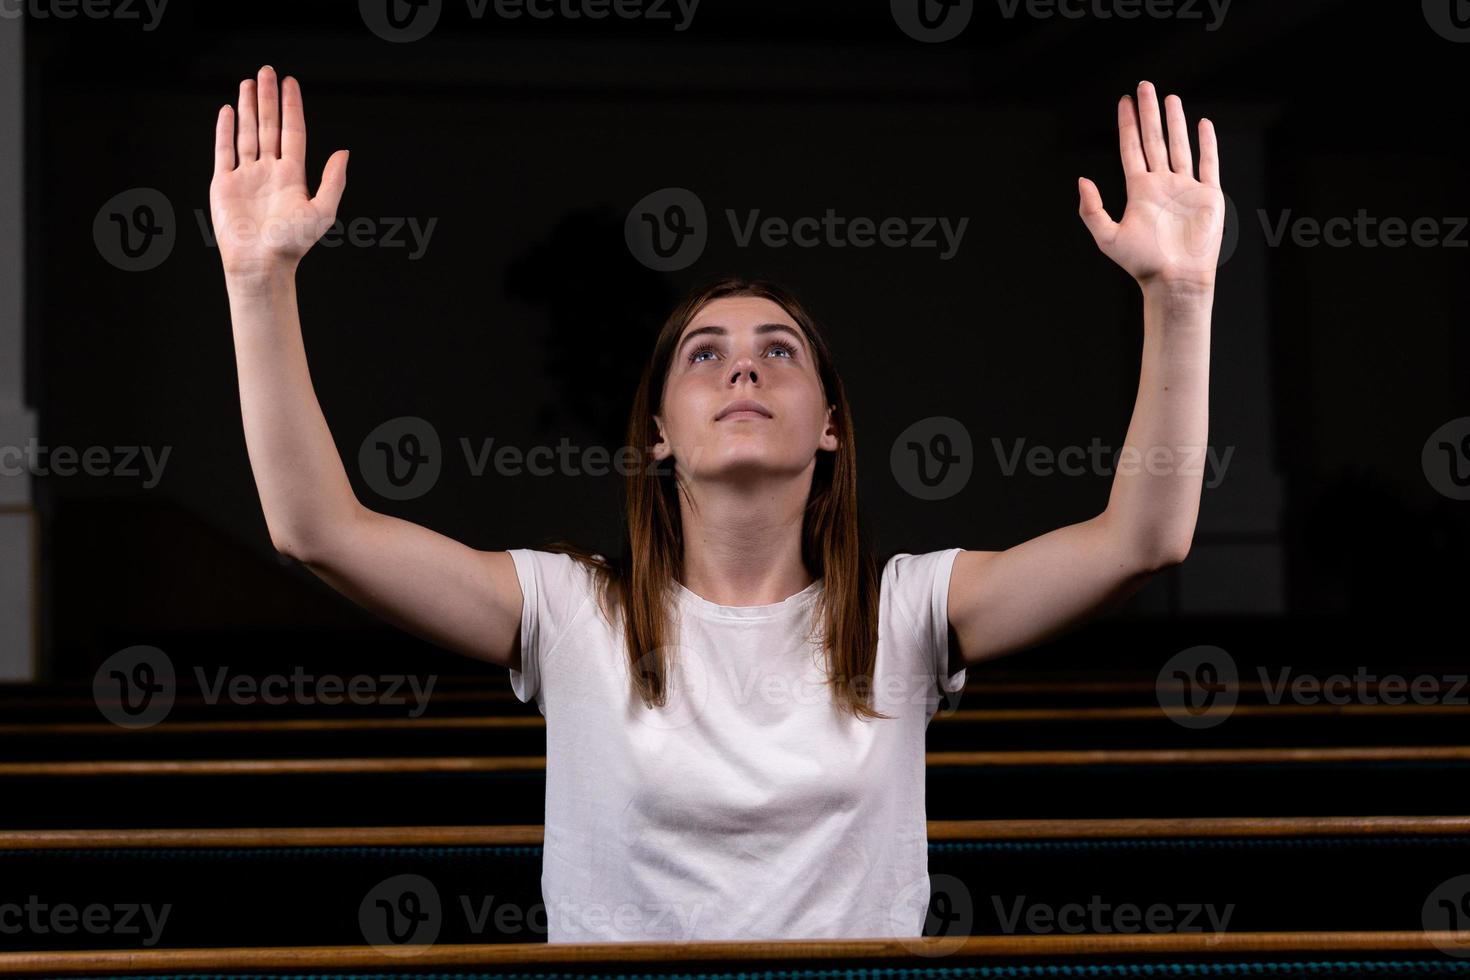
(748, 807)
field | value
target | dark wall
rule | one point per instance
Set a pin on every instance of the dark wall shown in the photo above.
(526, 318)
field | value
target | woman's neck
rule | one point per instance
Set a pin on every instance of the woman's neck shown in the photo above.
(742, 546)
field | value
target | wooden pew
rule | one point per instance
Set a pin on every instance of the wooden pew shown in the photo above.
(524, 732)
(305, 886)
(1002, 784)
(1333, 954)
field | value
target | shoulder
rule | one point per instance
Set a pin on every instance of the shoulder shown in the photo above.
(910, 578)
(552, 566)
(556, 586)
(915, 592)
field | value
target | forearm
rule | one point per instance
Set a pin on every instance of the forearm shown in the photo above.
(303, 487)
(1155, 496)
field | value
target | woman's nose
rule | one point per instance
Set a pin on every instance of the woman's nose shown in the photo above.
(744, 366)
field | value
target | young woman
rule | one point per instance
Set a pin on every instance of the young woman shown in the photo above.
(736, 706)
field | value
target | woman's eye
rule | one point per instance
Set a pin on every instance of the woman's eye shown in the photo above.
(707, 349)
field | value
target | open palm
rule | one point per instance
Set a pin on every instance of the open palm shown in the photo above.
(1172, 225)
(264, 219)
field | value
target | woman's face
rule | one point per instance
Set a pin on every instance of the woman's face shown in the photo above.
(741, 348)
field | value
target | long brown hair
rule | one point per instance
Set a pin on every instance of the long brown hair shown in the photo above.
(641, 582)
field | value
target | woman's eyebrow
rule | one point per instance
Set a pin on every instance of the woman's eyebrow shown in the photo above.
(719, 331)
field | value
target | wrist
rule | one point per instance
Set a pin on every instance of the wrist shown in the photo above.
(257, 280)
(1177, 294)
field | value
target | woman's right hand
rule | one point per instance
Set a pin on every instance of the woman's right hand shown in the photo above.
(264, 220)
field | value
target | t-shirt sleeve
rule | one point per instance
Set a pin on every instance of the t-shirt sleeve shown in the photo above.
(918, 586)
(554, 589)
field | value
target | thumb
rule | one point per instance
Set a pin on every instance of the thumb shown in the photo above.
(334, 182)
(1096, 219)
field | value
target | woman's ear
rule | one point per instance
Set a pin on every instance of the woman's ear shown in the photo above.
(829, 432)
(661, 449)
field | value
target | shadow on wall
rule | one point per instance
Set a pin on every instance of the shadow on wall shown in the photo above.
(604, 309)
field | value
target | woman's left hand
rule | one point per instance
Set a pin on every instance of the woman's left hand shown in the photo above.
(1172, 225)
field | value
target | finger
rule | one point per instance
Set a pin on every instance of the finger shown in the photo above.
(1153, 128)
(334, 182)
(1090, 206)
(1209, 154)
(293, 123)
(270, 113)
(1181, 159)
(248, 140)
(1128, 140)
(224, 141)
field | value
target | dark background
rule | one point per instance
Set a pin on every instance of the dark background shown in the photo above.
(527, 319)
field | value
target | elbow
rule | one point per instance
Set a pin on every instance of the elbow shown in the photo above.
(309, 539)
(1146, 551)
(1168, 556)
(294, 542)
(287, 546)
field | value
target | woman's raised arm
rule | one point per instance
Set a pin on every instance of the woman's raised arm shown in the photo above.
(466, 600)
(1169, 241)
